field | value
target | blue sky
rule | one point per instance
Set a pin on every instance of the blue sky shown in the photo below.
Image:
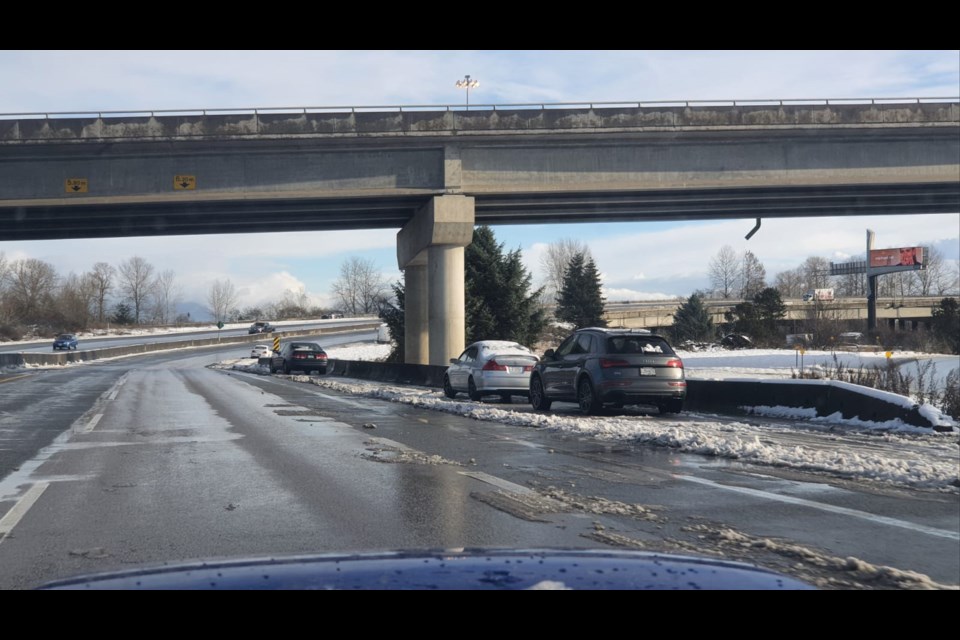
(637, 259)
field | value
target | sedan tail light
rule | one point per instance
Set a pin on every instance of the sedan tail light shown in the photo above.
(676, 364)
(493, 366)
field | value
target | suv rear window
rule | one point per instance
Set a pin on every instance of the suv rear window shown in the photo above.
(638, 344)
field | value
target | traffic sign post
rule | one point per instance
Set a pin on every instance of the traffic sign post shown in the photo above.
(219, 326)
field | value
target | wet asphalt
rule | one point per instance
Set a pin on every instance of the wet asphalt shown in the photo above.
(162, 459)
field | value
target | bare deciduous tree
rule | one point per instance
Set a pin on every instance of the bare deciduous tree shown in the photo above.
(222, 299)
(136, 283)
(816, 273)
(789, 283)
(361, 288)
(934, 280)
(852, 285)
(753, 276)
(167, 293)
(31, 287)
(724, 272)
(555, 262)
(75, 301)
(102, 277)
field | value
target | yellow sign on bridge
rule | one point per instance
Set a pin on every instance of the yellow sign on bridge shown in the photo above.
(184, 183)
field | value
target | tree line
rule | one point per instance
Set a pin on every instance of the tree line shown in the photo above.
(35, 298)
(34, 294)
(743, 275)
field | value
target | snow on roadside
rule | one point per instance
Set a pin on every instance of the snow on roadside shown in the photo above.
(735, 440)
(781, 363)
(359, 351)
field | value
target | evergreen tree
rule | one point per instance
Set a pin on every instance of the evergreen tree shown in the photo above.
(946, 324)
(499, 303)
(393, 315)
(580, 301)
(692, 321)
(123, 314)
(759, 317)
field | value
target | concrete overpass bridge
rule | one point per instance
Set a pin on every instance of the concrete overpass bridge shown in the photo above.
(898, 313)
(434, 172)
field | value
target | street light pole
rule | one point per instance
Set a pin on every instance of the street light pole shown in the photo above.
(468, 84)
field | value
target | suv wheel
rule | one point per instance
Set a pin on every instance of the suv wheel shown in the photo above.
(538, 398)
(588, 400)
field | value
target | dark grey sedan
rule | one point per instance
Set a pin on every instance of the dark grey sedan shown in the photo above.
(596, 367)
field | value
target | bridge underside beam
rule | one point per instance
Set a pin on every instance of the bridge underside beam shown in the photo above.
(727, 203)
(26, 220)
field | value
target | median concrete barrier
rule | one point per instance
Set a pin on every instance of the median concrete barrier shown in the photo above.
(827, 397)
(419, 374)
(64, 357)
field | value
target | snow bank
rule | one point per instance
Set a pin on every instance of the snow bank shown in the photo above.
(735, 440)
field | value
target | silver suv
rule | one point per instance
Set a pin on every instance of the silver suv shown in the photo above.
(594, 367)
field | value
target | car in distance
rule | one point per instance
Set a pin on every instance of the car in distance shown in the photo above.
(260, 327)
(490, 367)
(65, 341)
(299, 356)
(260, 351)
(596, 367)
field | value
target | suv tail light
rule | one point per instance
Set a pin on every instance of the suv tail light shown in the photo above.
(606, 363)
(493, 366)
(676, 364)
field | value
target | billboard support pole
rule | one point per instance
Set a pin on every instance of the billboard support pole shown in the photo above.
(871, 288)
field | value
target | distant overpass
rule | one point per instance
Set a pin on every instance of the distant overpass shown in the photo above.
(898, 313)
(434, 172)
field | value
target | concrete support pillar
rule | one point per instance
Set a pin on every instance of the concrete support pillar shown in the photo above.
(416, 297)
(447, 316)
(435, 237)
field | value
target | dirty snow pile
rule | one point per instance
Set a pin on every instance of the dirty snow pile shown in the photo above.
(930, 461)
(359, 351)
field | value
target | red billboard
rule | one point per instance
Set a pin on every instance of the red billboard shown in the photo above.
(902, 257)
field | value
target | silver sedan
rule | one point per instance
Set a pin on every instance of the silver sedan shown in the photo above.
(490, 367)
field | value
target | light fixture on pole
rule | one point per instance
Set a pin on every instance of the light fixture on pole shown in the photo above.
(468, 84)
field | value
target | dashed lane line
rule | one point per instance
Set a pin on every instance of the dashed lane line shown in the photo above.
(863, 515)
(10, 520)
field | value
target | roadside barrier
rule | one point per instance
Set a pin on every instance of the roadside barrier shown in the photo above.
(721, 396)
(63, 357)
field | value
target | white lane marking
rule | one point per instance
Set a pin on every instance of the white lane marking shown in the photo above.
(893, 522)
(506, 485)
(352, 403)
(116, 387)
(9, 521)
(93, 422)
